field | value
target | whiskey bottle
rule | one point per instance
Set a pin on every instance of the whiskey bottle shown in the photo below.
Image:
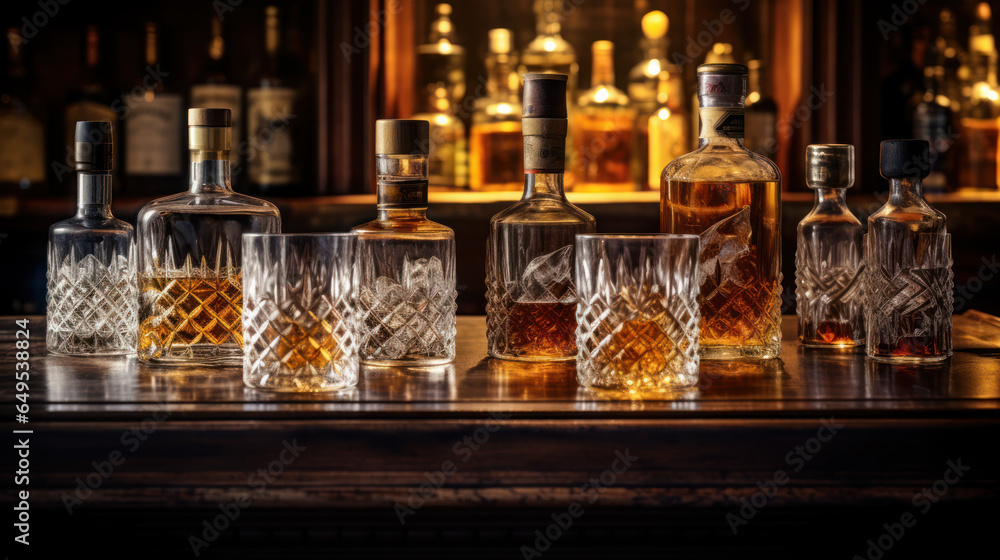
(495, 135)
(829, 259)
(405, 263)
(909, 281)
(761, 127)
(731, 197)
(22, 137)
(92, 299)
(720, 53)
(602, 134)
(214, 87)
(272, 111)
(191, 293)
(90, 102)
(548, 52)
(153, 128)
(932, 122)
(666, 134)
(440, 65)
(978, 126)
(531, 298)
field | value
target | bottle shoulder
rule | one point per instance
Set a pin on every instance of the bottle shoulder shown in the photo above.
(209, 202)
(721, 163)
(104, 226)
(404, 227)
(918, 215)
(542, 211)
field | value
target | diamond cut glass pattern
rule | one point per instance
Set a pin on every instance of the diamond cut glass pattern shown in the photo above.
(638, 314)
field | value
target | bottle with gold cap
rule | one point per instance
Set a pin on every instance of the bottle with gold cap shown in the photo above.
(731, 197)
(92, 302)
(654, 84)
(405, 263)
(603, 128)
(531, 297)
(495, 136)
(829, 259)
(190, 255)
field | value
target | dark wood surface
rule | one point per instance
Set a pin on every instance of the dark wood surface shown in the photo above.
(524, 440)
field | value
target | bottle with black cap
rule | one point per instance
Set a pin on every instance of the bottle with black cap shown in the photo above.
(731, 197)
(190, 255)
(405, 262)
(92, 297)
(829, 260)
(908, 303)
(531, 298)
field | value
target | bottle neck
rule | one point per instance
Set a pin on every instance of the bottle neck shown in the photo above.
(543, 185)
(603, 71)
(93, 195)
(402, 213)
(656, 49)
(827, 196)
(901, 190)
(210, 172)
(720, 125)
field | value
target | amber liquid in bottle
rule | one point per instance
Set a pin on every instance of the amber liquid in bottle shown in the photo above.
(495, 162)
(190, 311)
(603, 151)
(740, 289)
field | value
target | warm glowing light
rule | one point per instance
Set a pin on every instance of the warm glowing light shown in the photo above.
(148, 96)
(602, 95)
(663, 114)
(444, 46)
(753, 97)
(504, 109)
(653, 68)
(549, 45)
(943, 101)
(441, 120)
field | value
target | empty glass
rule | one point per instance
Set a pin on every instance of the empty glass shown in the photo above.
(637, 313)
(298, 312)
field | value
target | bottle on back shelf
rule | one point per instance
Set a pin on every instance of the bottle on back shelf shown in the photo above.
(441, 61)
(603, 126)
(548, 52)
(495, 138)
(273, 157)
(90, 102)
(667, 135)
(932, 121)
(761, 113)
(215, 88)
(731, 197)
(909, 280)
(531, 296)
(153, 127)
(22, 135)
(978, 125)
(190, 256)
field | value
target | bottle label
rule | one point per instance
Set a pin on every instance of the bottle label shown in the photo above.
(270, 115)
(226, 96)
(22, 150)
(720, 122)
(153, 136)
(544, 154)
(402, 194)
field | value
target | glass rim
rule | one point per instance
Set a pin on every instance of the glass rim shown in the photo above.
(299, 235)
(638, 236)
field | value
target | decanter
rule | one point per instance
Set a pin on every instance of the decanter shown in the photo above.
(829, 261)
(190, 245)
(603, 127)
(92, 303)
(908, 302)
(495, 134)
(731, 197)
(531, 296)
(405, 263)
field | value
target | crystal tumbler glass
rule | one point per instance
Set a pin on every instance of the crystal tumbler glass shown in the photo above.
(637, 315)
(299, 312)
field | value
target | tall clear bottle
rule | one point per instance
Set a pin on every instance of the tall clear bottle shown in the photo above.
(829, 255)
(190, 255)
(405, 262)
(531, 297)
(909, 282)
(92, 300)
(731, 197)
(495, 135)
(603, 126)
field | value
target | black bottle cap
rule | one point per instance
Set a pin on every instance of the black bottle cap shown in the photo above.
(544, 96)
(904, 159)
(93, 146)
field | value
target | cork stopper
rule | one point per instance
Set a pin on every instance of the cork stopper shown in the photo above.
(830, 166)
(402, 137)
(655, 24)
(210, 132)
(722, 85)
(93, 148)
(544, 96)
(904, 159)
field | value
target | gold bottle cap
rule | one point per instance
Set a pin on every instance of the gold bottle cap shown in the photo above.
(655, 24)
(830, 166)
(402, 137)
(210, 129)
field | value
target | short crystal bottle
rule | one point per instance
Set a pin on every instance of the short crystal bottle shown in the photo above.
(909, 279)
(531, 297)
(91, 297)
(405, 263)
(731, 197)
(829, 260)
(190, 255)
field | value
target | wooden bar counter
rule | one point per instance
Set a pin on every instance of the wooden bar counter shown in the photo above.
(814, 451)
